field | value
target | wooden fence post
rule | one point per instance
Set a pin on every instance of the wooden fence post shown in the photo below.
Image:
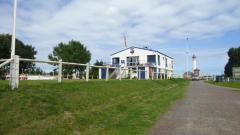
(120, 73)
(107, 72)
(130, 73)
(14, 72)
(152, 75)
(87, 72)
(139, 74)
(60, 71)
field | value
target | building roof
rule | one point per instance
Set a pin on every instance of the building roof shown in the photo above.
(142, 49)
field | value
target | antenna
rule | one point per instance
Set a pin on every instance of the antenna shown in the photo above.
(125, 40)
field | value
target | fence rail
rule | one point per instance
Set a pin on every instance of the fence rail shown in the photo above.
(6, 61)
(2, 60)
(119, 71)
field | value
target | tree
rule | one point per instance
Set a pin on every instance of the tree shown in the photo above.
(23, 50)
(73, 51)
(36, 71)
(233, 61)
(94, 70)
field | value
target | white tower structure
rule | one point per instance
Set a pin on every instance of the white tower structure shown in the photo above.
(194, 60)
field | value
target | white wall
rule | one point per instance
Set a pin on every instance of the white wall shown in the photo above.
(143, 57)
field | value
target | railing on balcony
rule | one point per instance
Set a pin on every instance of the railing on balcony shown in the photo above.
(141, 63)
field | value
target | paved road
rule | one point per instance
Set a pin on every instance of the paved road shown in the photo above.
(206, 110)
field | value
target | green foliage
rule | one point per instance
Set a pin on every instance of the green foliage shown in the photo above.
(73, 51)
(234, 61)
(23, 50)
(87, 108)
(2, 74)
(36, 71)
(94, 71)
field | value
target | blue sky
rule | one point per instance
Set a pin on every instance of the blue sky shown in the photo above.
(213, 26)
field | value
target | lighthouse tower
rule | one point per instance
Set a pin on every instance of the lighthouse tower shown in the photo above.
(194, 62)
(196, 71)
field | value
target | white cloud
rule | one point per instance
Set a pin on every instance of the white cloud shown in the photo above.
(101, 24)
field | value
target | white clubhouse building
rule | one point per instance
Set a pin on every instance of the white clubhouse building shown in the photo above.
(146, 62)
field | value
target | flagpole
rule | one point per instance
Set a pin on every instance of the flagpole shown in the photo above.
(14, 65)
(125, 40)
(187, 55)
(13, 42)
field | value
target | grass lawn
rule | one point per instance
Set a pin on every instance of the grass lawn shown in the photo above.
(94, 108)
(227, 84)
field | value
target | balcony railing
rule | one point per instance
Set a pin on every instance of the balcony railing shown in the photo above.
(141, 63)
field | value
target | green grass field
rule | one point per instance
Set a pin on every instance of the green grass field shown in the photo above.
(75, 107)
(227, 84)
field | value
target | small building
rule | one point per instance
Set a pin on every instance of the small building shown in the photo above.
(236, 72)
(144, 62)
(188, 75)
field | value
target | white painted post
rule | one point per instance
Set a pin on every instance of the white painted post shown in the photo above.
(139, 74)
(157, 74)
(14, 72)
(146, 74)
(130, 73)
(120, 73)
(152, 74)
(87, 72)
(60, 71)
(100, 73)
(107, 72)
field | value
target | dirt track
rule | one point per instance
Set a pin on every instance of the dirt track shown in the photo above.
(206, 110)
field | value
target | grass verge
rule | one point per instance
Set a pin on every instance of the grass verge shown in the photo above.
(73, 107)
(226, 84)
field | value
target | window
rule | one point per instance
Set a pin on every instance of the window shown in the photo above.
(115, 61)
(159, 60)
(133, 61)
(151, 59)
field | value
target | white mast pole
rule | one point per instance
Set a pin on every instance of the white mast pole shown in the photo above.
(187, 57)
(14, 29)
(14, 65)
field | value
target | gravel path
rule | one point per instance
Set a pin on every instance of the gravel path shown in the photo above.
(206, 110)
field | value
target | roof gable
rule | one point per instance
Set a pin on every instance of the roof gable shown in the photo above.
(147, 49)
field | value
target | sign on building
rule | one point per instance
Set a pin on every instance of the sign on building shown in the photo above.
(236, 72)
